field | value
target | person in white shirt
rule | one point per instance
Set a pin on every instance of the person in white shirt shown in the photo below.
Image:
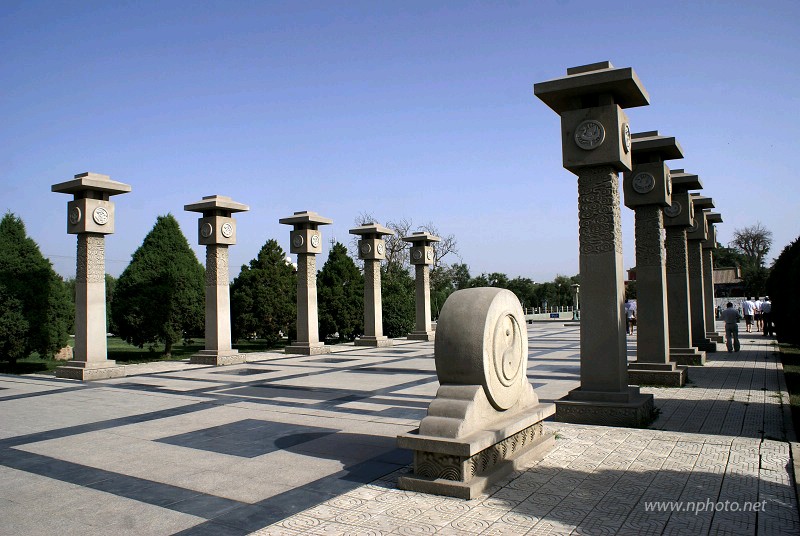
(757, 313)
(747, 311)
(731, 318)
(766, 316)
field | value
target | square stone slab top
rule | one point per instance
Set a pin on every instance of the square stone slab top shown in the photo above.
(701, 201)
(563, 94)
(91, 181)
(216, 202)
(651, 147)
(421, 236)
(372, 229)
(683, 182)
(713, 217)
(305, 216)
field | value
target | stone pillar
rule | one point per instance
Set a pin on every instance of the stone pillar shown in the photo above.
(596, 145)
(90, 215)
(372, 250)
(576, 290)
(678, 217)
(217, 230)
(695, 238)
(422, 258)
(709, 245)
(647, 190)
(306, 242)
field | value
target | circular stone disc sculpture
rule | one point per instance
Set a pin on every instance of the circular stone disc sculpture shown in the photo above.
(481, 339)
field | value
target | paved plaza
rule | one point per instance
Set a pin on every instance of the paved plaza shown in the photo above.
(307, 445)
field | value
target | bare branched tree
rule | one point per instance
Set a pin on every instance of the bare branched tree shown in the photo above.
(753, 242)
(396, 248)
(441, 249)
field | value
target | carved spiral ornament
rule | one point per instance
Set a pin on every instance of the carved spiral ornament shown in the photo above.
(673, 210)
(643, 183)
(101, 216)
(227, 230)
(381, 249)
(315, 241)
(365, 249)
(298, 240)
(75, 215)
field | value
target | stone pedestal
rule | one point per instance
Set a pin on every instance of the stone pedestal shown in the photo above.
(677, 219)
(372, 250)
(694, 244)
(217, 230)
(422, 258)
(709, 245)
(90, 215)
(306, 242)
(647, 189)
(596, 145)
(486, 420)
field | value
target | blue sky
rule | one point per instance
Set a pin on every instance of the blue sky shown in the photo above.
(420, 110)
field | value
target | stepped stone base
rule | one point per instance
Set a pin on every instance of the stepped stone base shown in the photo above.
(374, 342)
(316, 348)
(465, 467)
(715, 337)
(662, 375)
(422, 336)
(88, 371)
(687, 356)
(217, 358)
(628, 408)
(706, 345)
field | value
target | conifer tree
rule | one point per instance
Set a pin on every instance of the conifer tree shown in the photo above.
(160, 297)
(399, 309)
(340, 295)
(36, 310)
(263, 296)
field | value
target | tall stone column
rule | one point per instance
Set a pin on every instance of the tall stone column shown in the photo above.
(422, 258)
(306, 242)
(647, 190)
(372, 250)
(576, 313)
(695, 238)
(709, 245)
(596, 145)
(217, 230)
(678, 217)
(90, 215)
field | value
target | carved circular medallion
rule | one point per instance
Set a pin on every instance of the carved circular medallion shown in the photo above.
(674, 210)
(429, 255)
(227, 230)
(695, 225)
(590, 135)
(507, 350)
(298, 240)
(100, 216)
(626, 137)
(206, 230)
(75, 215)
(417, 254)
(669, 183)
(365, 249)
(315, 241)
(381, 249)
(643, 183)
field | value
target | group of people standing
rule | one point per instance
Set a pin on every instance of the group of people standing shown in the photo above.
(757, 311)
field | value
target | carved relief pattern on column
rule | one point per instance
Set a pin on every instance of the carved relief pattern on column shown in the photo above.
(676, 250)
(426, 275)
(217, 266)
(598, 210)
(311, 270)
(649, 240)
(372, 273)
(695, 259)
(91, 266)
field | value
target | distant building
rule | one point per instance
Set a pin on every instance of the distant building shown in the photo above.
(728, 282)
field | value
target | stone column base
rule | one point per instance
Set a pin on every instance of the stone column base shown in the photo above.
(217, 358)
(465, 467)
(687, 356)
(375, 342)
(706, 345)
(422, 336)
(660, 374)
(88, 371)
(306, 348)
(715, 337)
(628, 408)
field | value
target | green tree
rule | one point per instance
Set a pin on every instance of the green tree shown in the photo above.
(36, 312)
(160, 297)
(399, 309)
(264, 296)
(525, 289)
(340, 294)
(728, 258)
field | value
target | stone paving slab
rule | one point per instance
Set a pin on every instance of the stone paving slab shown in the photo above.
(287, 444)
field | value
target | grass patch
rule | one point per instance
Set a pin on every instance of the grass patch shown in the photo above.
(790, 357)
(128, 354)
